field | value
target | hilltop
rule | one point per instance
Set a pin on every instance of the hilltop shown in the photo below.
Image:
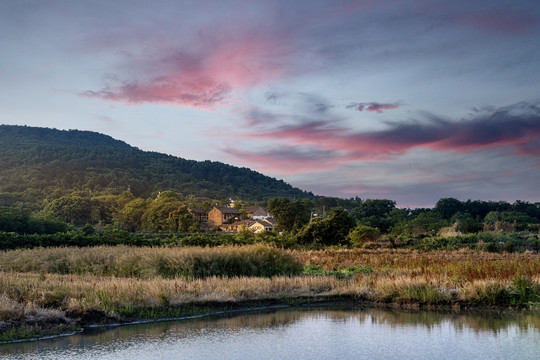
(43, 163)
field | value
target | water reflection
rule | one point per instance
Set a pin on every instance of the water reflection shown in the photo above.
(302, 334)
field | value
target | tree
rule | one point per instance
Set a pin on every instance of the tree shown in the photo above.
(426, 222)
(362, 234)
(290, 215)
(378, 213)
(77, 210)
(448, 207)
(331, 230)
(164, 213)
(130, 217)
(466, 223)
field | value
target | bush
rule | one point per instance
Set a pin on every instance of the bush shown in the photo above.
(524, 291)
(508, 246)
(362, 234)
(486, 246)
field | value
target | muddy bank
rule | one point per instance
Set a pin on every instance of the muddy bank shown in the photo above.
(76, 321)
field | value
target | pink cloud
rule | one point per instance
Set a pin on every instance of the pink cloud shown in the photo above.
(206, 75)
(502, 128)
(201, 93)
(515, 127)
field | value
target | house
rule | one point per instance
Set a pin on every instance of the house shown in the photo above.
(236, 226)
(199, 215)
(256, 212)
(257, 226)
(222, 215)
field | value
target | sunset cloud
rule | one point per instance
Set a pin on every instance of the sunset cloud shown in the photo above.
(198, 75)
(372, 106)
(201, 93)
(515, 130)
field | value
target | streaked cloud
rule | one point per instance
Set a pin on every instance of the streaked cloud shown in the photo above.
(372, 106)
(200, 93)
(513, 130)
(201, 73)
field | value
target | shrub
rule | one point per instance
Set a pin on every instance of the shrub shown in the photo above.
(423, 293)
(486, 246)
(508, 246)
(524, 291)
(492, 294)
(362, 234)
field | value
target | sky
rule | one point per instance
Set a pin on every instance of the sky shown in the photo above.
(411, 101)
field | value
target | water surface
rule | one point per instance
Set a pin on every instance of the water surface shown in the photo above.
(305, 333)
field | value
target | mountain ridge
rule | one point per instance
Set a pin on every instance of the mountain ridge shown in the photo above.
(39, 164)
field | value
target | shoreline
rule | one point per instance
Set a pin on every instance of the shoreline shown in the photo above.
(95, 319)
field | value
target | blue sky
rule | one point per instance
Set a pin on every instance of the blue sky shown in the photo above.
(404, 100)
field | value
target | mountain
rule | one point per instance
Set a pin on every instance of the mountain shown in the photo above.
(42, 163)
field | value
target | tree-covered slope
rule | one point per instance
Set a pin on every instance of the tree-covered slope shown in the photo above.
(42, 163)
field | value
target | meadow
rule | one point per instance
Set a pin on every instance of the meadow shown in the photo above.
(123, 283)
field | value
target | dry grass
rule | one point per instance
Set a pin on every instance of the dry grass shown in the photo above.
(19, 320)
(458, 266)
(147, 262)
(82, 292)
(440, 277)
(13, 310)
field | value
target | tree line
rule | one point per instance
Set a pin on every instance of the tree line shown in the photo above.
(317, 222)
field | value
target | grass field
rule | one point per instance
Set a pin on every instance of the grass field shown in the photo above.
(44, 286)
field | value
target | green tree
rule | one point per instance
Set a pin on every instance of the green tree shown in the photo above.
(426, 223)
(331, 230)
(166, 213)
(130, 217)
(466, 223)
(448, 207)
(290, 215)
(362, 234)
(74, 209)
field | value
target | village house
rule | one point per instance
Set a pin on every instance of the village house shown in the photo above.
(257, 226)
(236, 226)
(199, 215)
(263, 225)
(256, 212)
(222, 215)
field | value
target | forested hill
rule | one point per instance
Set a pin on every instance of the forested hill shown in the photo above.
(42, 163)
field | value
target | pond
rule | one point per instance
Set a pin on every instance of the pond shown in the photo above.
(304, 333)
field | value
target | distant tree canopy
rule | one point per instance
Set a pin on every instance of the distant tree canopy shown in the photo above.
(22, 221)
(45, 164)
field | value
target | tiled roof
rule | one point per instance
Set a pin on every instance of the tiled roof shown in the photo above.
(197, 211)
(228, 210)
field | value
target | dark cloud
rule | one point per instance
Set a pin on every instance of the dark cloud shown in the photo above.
(513, 130)
(372, 106)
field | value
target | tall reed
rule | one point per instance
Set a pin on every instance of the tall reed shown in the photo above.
(126, 261)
